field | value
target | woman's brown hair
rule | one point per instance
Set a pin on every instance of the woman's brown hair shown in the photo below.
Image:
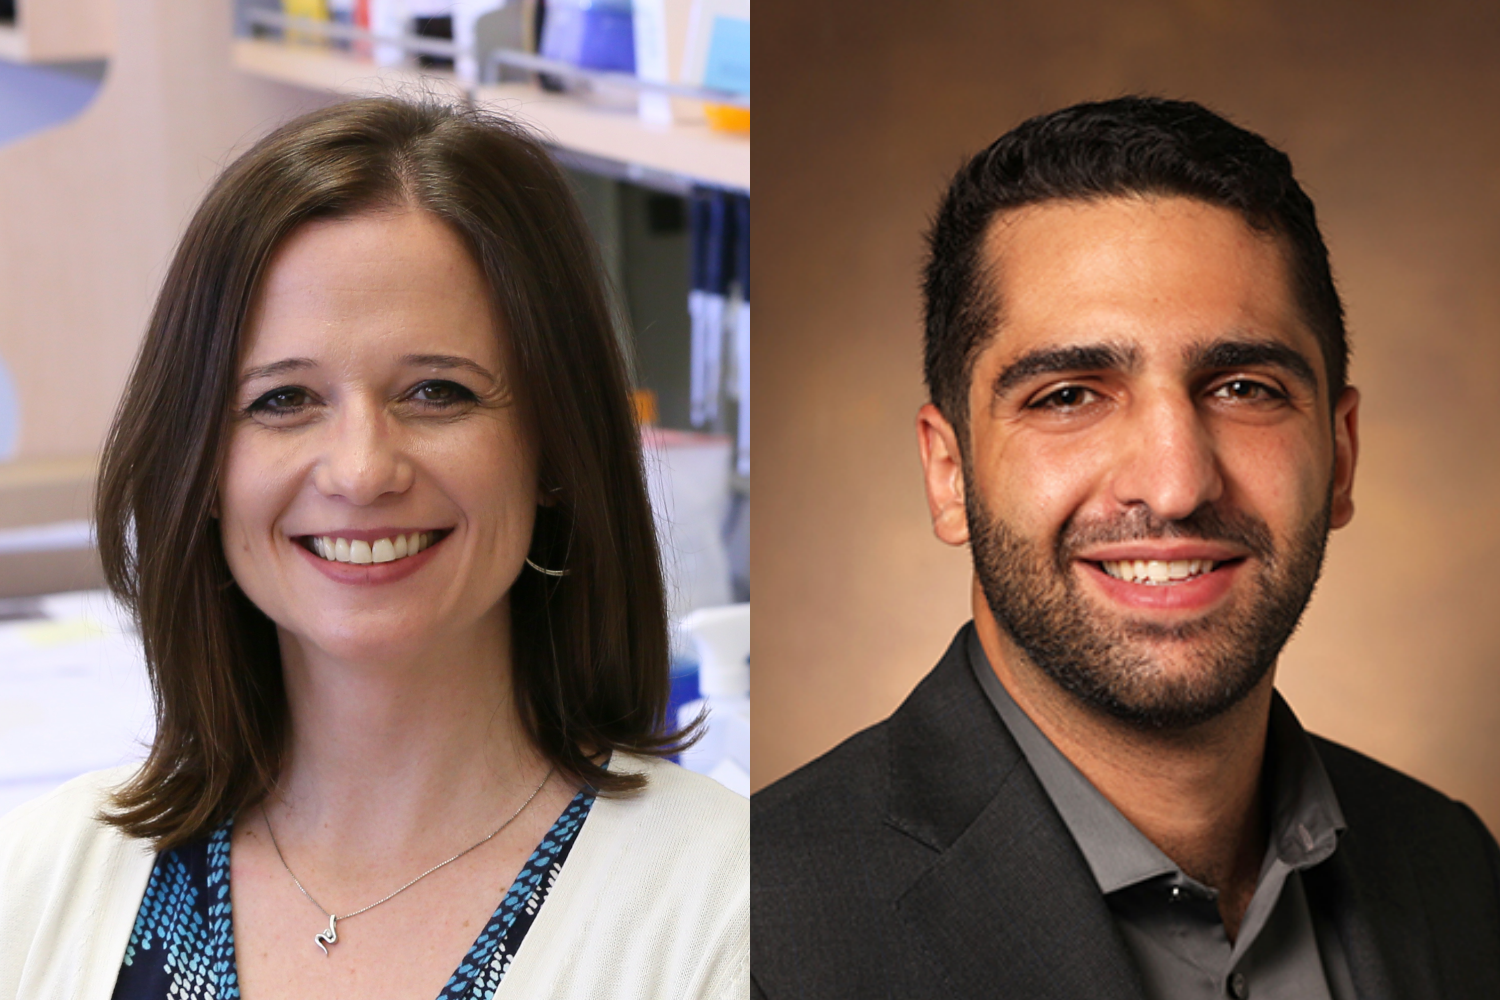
(590, 649)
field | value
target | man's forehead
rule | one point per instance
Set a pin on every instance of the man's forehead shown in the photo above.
(1156, 278)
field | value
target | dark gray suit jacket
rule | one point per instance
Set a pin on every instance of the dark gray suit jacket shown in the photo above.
(921, 858)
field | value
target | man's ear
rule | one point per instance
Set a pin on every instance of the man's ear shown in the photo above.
(1345, 453)
(943, 475)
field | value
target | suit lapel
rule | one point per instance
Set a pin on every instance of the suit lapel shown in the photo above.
(1008, 907)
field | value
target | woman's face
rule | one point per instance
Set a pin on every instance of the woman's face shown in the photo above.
(379, 491)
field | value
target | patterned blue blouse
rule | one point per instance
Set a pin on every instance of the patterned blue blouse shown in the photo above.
(182, 947)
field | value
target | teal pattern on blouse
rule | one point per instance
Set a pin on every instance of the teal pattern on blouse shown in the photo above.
(182, 946)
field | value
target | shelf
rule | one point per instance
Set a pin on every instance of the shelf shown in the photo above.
(341, 73)
(693, 153)
(44, 544)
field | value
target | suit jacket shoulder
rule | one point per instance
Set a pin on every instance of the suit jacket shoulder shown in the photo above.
(1414, 885)
(921, 858)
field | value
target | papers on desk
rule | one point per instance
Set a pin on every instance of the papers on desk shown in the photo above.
(73, 693)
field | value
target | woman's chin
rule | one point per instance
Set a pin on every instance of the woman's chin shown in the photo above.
(359, 642)
(400, 631)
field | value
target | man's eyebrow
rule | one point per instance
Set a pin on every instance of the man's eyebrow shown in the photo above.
(1225, 354)
(449, 361)
(1056, 360)
(276, 369)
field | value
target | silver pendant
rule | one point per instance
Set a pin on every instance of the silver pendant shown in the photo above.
(330, 936)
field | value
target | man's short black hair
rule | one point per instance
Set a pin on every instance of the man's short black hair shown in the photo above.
(1128, 146)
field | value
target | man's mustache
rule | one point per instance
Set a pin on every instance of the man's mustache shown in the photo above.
(1209, 523)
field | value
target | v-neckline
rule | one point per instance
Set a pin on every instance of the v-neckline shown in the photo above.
(476, 977)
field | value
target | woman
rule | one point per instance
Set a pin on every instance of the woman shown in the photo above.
(374, 494)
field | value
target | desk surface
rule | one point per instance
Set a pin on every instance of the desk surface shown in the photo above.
(73, 694)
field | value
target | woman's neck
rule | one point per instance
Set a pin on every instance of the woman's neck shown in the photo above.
(389, 755)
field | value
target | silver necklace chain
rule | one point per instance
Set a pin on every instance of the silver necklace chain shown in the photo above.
(331, 935)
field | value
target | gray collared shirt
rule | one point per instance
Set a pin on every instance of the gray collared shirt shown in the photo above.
(1169, 921)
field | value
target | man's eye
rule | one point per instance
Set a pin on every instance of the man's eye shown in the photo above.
(441, 393)
(1069, 397)
(1247, 389)
(287, 399)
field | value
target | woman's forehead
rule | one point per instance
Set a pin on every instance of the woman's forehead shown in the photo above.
(392, 282)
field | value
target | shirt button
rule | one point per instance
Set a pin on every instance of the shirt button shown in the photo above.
(1238, 988)
(1176, 894)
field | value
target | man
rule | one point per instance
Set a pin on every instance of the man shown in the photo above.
(1140, 424)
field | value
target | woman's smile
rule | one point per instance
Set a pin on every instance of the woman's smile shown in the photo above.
(366, 558)
(364, 547)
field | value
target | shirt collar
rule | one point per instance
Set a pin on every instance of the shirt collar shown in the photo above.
(1305, 817)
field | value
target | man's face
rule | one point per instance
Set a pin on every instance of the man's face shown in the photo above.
(1151, 472)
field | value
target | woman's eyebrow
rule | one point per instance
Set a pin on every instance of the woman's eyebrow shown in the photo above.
(449, 361)
(276, 368)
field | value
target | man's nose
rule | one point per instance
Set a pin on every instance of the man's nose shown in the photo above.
(1167, 458)
(362, 457)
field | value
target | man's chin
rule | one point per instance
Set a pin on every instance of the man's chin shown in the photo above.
(1168, 682)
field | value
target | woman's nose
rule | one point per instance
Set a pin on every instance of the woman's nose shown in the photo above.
(1168, 460)
(362, 457)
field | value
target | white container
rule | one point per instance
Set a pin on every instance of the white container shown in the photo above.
(388, 19)
(660, 35)
(722, 638)
(687, 476)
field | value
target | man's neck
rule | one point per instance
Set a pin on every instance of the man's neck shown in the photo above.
(1195, 794)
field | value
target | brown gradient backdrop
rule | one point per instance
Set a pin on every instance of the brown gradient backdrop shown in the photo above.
(1391, 113)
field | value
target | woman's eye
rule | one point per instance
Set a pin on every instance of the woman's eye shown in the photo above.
(441, 393)
(288, 399)
(1068, 397)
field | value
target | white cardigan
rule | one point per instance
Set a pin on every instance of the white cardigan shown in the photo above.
(653, 902)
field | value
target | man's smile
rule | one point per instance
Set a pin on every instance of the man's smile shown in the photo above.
(1156, 572)
(1177, 585)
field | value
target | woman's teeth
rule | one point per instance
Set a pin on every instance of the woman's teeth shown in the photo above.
(382, 550)
(1154, 572)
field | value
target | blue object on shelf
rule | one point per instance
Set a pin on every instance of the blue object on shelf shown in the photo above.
(10, 431)
(592, 34)
(684, 687)
(728, 66)
(684, 680)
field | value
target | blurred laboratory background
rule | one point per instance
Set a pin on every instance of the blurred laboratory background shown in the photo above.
(1391, 115)
(114, 117)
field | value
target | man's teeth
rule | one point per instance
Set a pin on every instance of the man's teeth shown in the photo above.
(381, 550)
(1155, 571)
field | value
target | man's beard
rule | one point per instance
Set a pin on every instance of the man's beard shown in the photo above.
(1112, 663)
